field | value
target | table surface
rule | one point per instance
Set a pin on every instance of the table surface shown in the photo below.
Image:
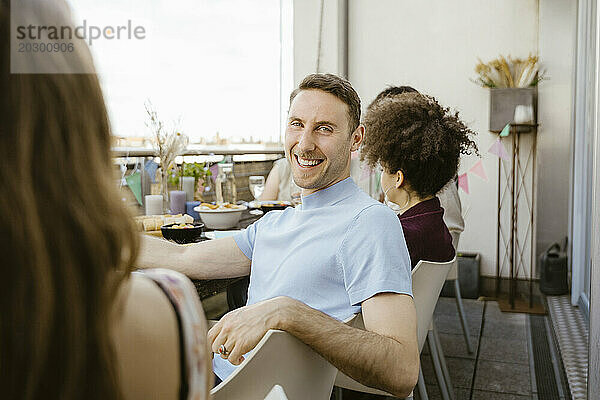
(211, 287)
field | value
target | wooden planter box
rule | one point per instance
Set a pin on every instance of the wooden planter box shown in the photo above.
(504, 101)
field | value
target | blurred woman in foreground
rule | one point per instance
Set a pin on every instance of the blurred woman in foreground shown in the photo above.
(74, 324)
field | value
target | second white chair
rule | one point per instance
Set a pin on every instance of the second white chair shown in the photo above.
(427, 281)
(453, 276)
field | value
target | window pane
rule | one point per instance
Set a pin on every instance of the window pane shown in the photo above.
(216, 64)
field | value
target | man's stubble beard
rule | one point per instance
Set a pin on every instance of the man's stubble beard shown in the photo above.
(325, 179)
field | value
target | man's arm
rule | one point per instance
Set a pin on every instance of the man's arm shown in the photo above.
(271, 191)
(212, 259)
(384, 356)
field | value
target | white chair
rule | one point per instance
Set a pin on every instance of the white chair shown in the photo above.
(433, 340)
(279, 359)
(277, 393)
(439, 365)
(450, 201)
(427, 281)
(453, 276)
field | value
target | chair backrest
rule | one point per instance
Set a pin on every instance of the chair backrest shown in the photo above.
(453, 274)
(277, 393)
(427, 280)
(279, 359)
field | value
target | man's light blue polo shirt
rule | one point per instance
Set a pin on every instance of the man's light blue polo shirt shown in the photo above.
(339, 248)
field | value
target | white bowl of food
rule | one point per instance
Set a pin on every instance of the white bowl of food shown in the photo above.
(222, 216)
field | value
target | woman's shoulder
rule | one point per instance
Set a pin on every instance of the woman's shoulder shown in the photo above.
(194, 356)
(146, 341)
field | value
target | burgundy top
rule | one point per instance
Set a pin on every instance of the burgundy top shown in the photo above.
(425, 232)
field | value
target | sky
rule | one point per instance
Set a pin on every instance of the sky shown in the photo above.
(213, 65)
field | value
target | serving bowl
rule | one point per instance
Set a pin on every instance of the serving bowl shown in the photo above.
(220, 218)
(183, 235)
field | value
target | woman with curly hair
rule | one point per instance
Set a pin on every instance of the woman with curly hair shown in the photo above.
(418, 144)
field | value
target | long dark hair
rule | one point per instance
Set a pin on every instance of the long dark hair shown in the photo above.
(67, 240)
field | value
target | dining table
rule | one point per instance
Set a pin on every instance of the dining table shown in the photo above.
(237, 287)
(210, 287)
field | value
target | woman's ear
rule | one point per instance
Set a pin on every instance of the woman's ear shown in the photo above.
(399, 179)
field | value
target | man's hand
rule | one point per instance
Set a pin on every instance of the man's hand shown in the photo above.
(241, 330)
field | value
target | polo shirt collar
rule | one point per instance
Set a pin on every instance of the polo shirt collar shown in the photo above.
(330, 195)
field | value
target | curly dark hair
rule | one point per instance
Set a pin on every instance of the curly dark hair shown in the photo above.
(411, 132)
(394, 91)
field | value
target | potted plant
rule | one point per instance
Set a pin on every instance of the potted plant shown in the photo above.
(200, 173)
(512, 82)
(202, 177)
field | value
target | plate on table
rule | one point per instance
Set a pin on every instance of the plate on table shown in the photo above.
(267, 206)
(253, 204)
(221, 234)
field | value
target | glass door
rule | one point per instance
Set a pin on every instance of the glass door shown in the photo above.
(586, 123)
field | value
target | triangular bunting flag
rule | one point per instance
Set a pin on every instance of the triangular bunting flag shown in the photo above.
(463, 182)
(505, 131)
(498, 150)
(134, 181)
(478, 170)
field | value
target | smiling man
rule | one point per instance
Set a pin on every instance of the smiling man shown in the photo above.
(317, 139)
(315, 265)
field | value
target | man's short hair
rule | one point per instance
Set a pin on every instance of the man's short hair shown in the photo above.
(337, 86)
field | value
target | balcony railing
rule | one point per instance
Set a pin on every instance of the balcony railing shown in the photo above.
(248, 161)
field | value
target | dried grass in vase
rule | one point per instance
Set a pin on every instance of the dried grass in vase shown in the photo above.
(511, 73)
(168, 143)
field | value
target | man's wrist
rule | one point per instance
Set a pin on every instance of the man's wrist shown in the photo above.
(285, 311)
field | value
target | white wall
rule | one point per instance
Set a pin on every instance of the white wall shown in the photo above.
(434, 46)
(306, 38)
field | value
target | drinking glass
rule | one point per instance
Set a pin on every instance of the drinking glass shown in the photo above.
(296, 199)
(256, 184)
